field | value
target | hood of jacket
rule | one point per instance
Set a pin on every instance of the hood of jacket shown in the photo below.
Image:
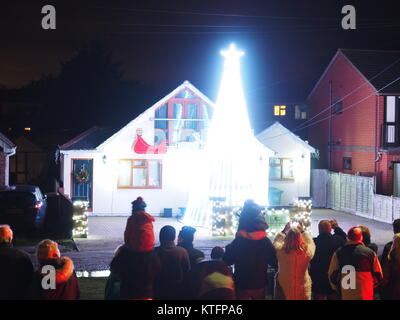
(64, 268)
(256, 235)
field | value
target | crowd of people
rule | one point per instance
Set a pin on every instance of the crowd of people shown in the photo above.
(294, 266)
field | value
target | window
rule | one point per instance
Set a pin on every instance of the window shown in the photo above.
(182, 120)
(139, 174)
(161, 113)
(346, 163)
(297, 112)
(185, 94)
(390, 125)
(279, 110)
(281, 169)
(338, 107)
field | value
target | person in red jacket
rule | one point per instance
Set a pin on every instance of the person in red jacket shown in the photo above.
(136, 264)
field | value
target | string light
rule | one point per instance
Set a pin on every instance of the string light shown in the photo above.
(80, 219)
(225, 218)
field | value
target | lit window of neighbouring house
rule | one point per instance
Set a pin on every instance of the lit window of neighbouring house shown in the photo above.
(139, 174)
(281, 169)
(346, 163)
(279, 110)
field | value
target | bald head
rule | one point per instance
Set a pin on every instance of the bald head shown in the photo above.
(324, 226)
(355, 234)
(6, 234)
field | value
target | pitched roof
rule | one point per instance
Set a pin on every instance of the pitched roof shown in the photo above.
(285, 130)
(89, 140)
(95, 137)
(184, 85)
(6, 141)
(372, 62)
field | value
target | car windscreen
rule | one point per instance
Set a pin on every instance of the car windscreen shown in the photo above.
(16, 198)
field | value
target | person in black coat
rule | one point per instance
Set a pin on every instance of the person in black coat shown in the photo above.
(136, 264)
(326, 244)
(388, 246)
(16, 269)
(251, 252)
(175, 265)
(367, 239)
(385, 254)
(185, 240)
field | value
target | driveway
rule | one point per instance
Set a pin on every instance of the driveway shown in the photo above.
(106, 234)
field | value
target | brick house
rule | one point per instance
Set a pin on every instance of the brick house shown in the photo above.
(354, 108)
(7, 149)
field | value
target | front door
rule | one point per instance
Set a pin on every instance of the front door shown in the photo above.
(82, 180)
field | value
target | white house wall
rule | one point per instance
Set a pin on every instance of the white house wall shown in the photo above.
(177, 164)
(286, 146)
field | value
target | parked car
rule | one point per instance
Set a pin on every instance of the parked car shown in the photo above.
(23, 207)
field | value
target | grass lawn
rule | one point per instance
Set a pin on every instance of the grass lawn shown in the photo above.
(92, 288)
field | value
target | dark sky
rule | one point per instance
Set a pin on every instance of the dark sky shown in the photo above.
(162, 43)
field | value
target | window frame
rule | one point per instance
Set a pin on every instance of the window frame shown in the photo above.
(336, 109)
(200, 120)
(393, 125)
(280, 110)
(146, 166)
(351, 163)
(281, 166)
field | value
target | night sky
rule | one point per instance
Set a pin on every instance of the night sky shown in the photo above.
(288, 44)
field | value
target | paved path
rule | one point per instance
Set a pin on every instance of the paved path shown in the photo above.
(106, 234)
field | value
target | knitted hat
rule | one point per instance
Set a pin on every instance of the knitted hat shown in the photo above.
(139, 233)
(167, 233)
(46, 250)
(138, 205)
(251, 218)
(187, 233)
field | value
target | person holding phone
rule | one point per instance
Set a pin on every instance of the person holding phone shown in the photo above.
(294, 249)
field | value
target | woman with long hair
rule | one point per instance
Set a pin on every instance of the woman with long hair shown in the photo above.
(391, 271)
(294, 250)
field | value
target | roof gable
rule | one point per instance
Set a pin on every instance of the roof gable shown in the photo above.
(96, 138)
(5, 143)
(377, 67)
(277, 129)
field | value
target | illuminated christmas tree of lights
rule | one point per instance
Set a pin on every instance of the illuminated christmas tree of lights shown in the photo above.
(233, 164)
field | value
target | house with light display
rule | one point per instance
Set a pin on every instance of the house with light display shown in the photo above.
(155, 156)
(152, 156)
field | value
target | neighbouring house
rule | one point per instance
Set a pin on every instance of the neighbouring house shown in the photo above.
(28, 163)
(354, 108)
(7, 149)
(152, 156)
(292, 115)
(289, 170)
